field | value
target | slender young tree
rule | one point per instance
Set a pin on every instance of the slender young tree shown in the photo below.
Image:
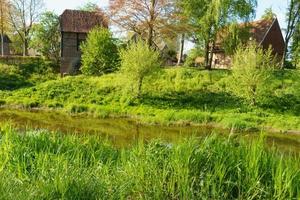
(23, 14)
(293, 18)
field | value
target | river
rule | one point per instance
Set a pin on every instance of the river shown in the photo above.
(123, 132)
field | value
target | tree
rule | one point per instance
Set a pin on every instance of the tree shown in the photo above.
(91, 7)
(4, 25)
(148, 19)
(252, 67)
(46, 36)
(99, 53)
(293, 18)
(208, 17)
(23, 14)
(268, 14)
(138, 62)
(295, 47)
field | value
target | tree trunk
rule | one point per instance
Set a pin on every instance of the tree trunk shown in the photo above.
(140, 84)
(2, 29)
(25, 45)
(284, 56)
(151, 21)
(207, 55)
(180, 56)
(2, 44)
(211, 56)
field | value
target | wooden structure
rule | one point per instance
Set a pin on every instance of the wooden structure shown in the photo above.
(266, 33)
(6, 43)
(74, 26)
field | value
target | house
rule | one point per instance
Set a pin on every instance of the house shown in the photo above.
(74, 26)
(266, 33)
(6, 43)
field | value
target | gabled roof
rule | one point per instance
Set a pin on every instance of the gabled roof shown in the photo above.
(259, 29)
(6, 39)
(78, 21)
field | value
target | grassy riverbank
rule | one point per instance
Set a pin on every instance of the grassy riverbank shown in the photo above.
(44, 165)
(175, 96)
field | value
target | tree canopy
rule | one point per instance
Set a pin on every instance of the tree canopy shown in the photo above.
(208, 17)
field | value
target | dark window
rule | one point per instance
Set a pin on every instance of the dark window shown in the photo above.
(79, 41)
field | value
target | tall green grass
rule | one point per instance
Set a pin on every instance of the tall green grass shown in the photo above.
(45, 165)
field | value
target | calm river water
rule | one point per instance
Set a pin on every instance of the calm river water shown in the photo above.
(123, 132)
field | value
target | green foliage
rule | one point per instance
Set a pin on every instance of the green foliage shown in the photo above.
(90, 7)
(295, 47)
(269, 14)
(46, 36)
(252, 67)
(208, 17)
(234, 36)
(138, 62)
(99, 53)
(192, 55)
(175, 96)
(47, 165)
(24, 75)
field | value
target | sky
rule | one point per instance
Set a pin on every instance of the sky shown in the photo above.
(278, 6)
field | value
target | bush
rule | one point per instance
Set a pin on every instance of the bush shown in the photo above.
(138, 62)
(252, 67)
(99, 53)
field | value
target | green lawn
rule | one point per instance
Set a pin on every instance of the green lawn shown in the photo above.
(175, 96)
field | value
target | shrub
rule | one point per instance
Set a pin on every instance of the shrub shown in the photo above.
(99, 53)
(252, 67)
(138, 62)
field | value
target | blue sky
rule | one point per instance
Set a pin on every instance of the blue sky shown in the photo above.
(278, 6)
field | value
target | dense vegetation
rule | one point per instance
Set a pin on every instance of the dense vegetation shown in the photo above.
(44, 165)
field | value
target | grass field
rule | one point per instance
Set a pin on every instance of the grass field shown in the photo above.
(48, 165)
(175, 96)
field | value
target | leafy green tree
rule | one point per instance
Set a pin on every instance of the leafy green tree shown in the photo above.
(99, 53)
(90, 6)
(295, 47)
(46, 36)
(292, 18)
(138, 62)
(208, 17)
(268, 14)
(252, 67)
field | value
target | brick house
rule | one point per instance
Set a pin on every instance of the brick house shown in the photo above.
(74, 26)
(6, 43)
(266, 33)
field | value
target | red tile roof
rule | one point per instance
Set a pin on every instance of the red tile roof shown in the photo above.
(78, 21)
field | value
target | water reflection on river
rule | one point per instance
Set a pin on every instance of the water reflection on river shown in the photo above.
(123, 132)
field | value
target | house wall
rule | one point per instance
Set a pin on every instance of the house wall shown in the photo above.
(70, 52)
(221, 61)
(275, 39)
(6, 49)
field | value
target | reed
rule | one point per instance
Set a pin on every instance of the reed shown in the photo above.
(39, 164)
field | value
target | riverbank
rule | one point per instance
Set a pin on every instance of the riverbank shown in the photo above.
(46, 165)
(180, 96)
